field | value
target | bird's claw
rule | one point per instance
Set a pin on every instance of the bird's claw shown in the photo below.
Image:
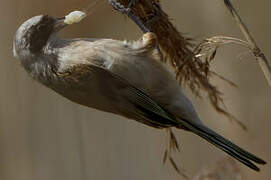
(149, 39)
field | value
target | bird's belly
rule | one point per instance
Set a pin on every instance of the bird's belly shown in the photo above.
(93, 91)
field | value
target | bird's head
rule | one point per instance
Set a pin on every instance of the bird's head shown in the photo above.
(32, 44)
(33, 35)
(33, 40)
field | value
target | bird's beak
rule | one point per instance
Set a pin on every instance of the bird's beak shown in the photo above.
(60, 24)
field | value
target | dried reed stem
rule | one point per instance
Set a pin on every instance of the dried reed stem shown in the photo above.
(262, 60)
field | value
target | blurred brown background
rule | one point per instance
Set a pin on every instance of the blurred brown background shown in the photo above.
(46, 137)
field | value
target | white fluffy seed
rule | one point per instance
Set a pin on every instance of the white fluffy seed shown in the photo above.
(74, 17)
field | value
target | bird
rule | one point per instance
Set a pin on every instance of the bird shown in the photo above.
(126, 78)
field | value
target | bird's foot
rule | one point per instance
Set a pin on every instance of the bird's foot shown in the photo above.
(150, 42)
(149, 39)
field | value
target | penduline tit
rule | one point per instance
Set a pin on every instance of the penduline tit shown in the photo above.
(120, 77)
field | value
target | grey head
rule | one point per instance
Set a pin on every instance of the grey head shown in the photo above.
(31, 41)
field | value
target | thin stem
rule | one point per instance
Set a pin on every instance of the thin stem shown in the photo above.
(128, 11)
(262, 59)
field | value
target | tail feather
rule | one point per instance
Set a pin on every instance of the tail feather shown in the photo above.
(224, 144)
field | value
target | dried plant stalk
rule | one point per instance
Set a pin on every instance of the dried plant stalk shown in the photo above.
(172, 146)
(190, 70)
(263, 61)
(209, 46)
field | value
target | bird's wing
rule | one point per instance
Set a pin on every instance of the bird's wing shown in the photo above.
(146, 107)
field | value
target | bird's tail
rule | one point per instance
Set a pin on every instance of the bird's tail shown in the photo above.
(223, 144)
